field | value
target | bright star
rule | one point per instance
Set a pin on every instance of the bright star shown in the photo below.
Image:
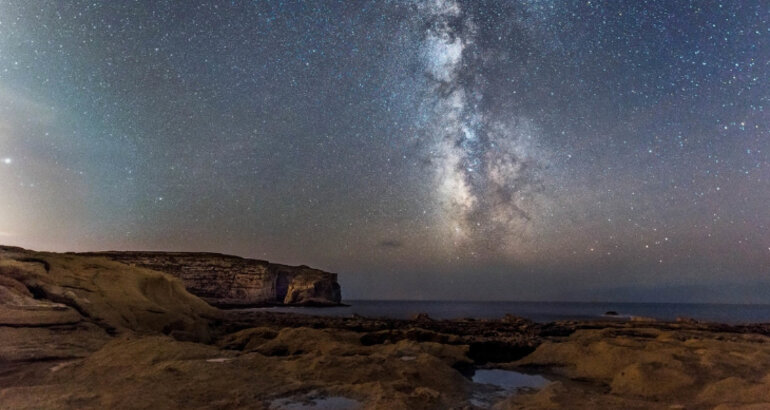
(7, 161)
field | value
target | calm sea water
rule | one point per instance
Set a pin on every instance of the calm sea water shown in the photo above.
(540, 311)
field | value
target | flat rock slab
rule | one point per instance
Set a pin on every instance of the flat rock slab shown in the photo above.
(29, 344)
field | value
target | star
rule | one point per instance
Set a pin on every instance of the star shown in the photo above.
(495, 131)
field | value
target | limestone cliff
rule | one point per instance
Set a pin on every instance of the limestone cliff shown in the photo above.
(232, 281)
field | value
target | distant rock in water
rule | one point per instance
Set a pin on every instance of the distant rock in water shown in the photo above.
(232, 281)
(610, 313)
(421, 317)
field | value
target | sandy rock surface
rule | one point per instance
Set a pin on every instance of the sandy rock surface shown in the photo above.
(647, 367)
(91, 332)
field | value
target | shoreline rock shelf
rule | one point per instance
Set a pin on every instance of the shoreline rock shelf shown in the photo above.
(89, 331)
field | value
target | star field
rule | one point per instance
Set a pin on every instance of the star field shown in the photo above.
(523, 149)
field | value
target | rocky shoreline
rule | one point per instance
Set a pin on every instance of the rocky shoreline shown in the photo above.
(89, 331)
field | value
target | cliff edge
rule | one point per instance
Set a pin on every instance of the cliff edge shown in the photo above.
(231, 281)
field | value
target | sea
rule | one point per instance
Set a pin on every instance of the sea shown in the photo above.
(541, 311)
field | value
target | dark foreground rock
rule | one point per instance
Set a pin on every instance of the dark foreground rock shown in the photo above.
(88, 332)
(231, 281)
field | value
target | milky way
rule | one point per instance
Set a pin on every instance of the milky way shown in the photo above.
(522, 149)
(486, 174)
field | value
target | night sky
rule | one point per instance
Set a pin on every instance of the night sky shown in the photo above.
(423, 149)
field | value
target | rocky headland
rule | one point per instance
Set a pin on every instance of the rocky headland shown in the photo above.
(94, 331)
(231, 281)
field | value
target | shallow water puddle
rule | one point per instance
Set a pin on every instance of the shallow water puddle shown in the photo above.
(326, 403)
(509, 379)
(496, 384)
(219, 360)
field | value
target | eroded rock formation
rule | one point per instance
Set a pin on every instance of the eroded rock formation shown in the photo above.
(231, 281)
(56, 307)
(89, 332)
